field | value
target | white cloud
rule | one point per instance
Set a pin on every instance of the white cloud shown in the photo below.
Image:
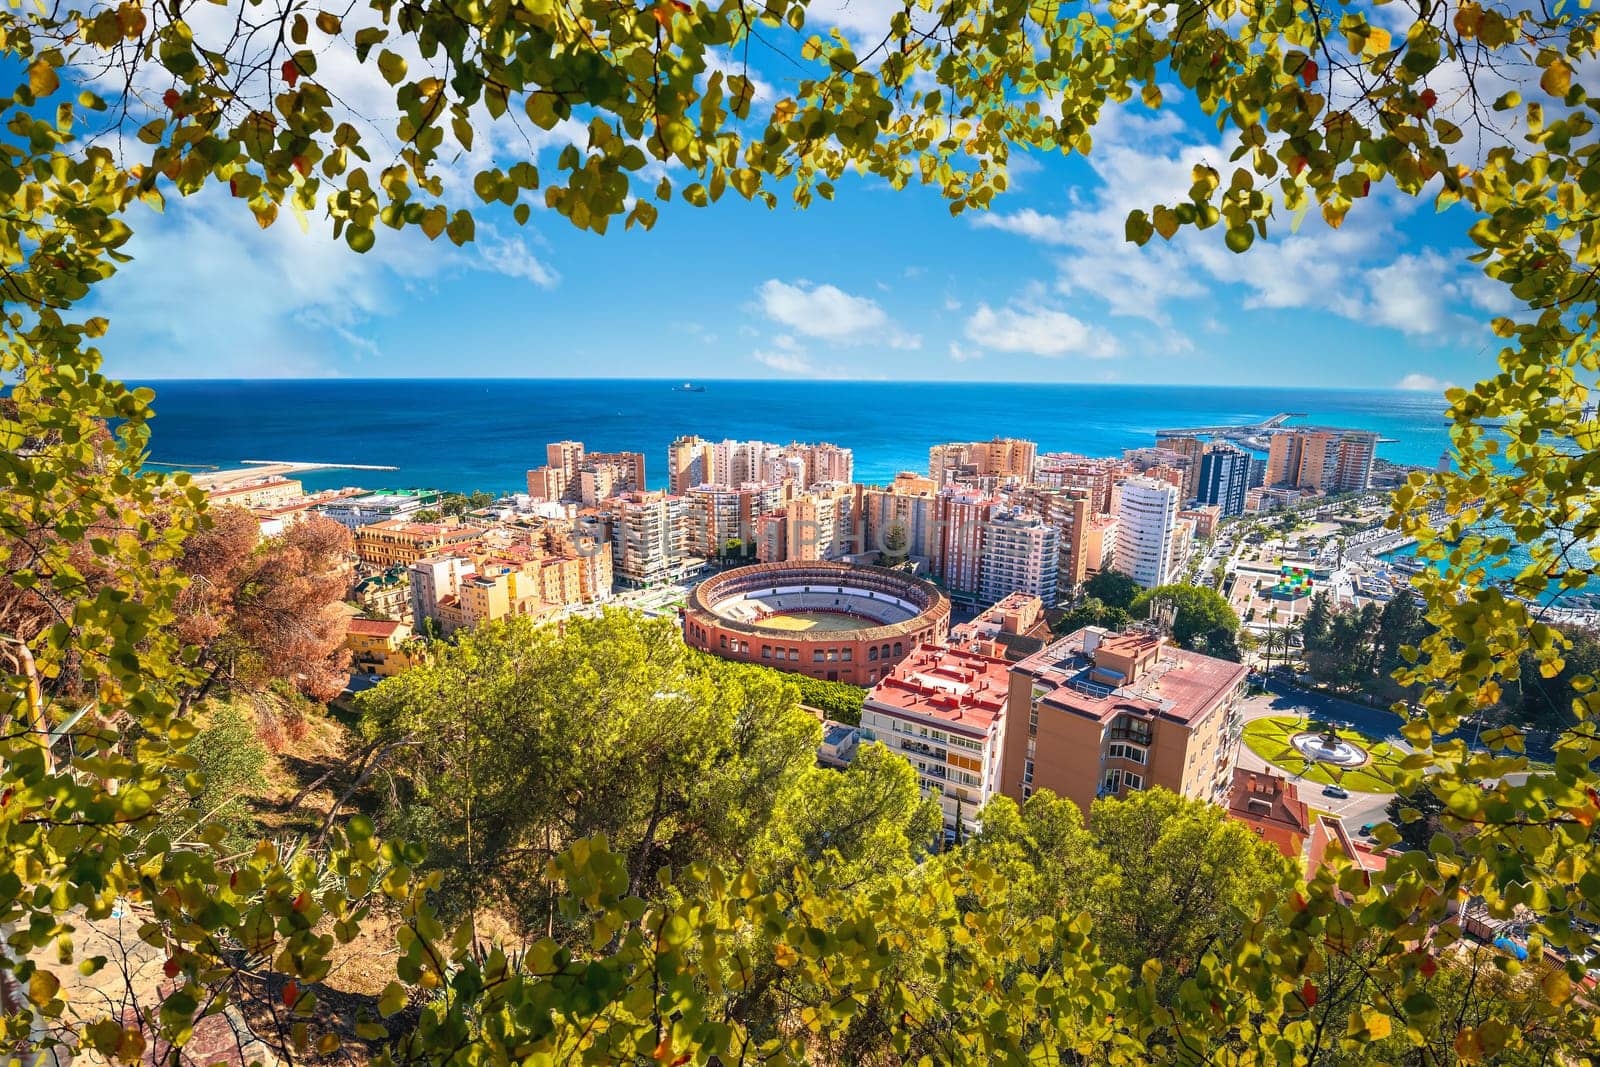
(1034, 225)
(286, 301)
(831, 314)
(1038, 330)
(510, 256)
(1423, 383)
(959, 353)
(1355, 271)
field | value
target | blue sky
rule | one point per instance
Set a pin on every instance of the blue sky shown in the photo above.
(877, 284)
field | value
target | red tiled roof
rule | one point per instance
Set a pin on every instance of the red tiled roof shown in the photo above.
(952, 685)
(374, 627)
(1180, 686)
(1257, 796)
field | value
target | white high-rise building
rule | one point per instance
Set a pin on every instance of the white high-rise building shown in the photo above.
(1020, 554)
(1147, 514)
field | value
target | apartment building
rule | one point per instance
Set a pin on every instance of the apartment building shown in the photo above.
(399, 543)
(261, 493)
(688, 464)
(714, 515)
(1010, 629)
(1100, 545)
(1098, 714)
(906, 510)
(649, 538)
(829, 463)
(821, 524)
(1326, 460)
(376, 646)
(944, 710)
(1020, 553)
(1070, 512)
(436, 580)
(1095, 475)
(1002, 459)
(1193, 450)
(1224, 478)
(963, 515)
(571, 473)
(1206, 518)
(1147, 515)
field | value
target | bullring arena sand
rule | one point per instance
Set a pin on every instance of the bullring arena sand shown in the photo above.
(819, 621)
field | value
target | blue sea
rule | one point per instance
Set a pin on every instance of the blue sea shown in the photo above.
(469, 434)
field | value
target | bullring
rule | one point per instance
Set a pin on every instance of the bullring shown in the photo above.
(836, 621)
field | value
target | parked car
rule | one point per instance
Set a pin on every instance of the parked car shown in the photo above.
(1337, 791)
(1366, 830)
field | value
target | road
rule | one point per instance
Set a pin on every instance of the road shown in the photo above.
(1358, 809)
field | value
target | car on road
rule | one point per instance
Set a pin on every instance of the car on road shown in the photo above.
(1366, 829)
(1338, 792)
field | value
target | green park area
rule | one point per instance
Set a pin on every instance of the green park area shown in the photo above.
(1272, 739)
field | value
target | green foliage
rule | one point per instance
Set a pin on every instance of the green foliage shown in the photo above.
(1090, 612)
(1205, 622)
(1363, 649)
(519, 739)
(1113, 589)
(1317, 109)
(230, 760)
(840, 701)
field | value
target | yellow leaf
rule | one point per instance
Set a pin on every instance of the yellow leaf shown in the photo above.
(42, 79)
(1166, 222)
(1557, 78)
(1557, 987)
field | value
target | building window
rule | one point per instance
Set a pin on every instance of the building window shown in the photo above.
(898, 649)
(846, 655)
(1118, 750)
(872, 653)
(766, 651)
(1132, 781)
(833, 654)
(794, 654)
(1033, 721)
(724, 640)
(817, 656)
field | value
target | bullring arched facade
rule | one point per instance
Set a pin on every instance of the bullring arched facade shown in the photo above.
(726, 614)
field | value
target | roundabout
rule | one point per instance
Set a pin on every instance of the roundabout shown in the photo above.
(1320, 752)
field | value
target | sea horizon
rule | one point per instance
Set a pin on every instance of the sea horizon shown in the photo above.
(680, 378)
(462, 434)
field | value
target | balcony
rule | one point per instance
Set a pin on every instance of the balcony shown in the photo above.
(921, 748)
(1138, 737)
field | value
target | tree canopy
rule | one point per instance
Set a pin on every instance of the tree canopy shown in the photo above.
(1479, 108)
(1113, 589)
(1204, 622)
(517, 740)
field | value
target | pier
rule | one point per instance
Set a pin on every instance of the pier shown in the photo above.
(255, 469)
(1256, 436)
